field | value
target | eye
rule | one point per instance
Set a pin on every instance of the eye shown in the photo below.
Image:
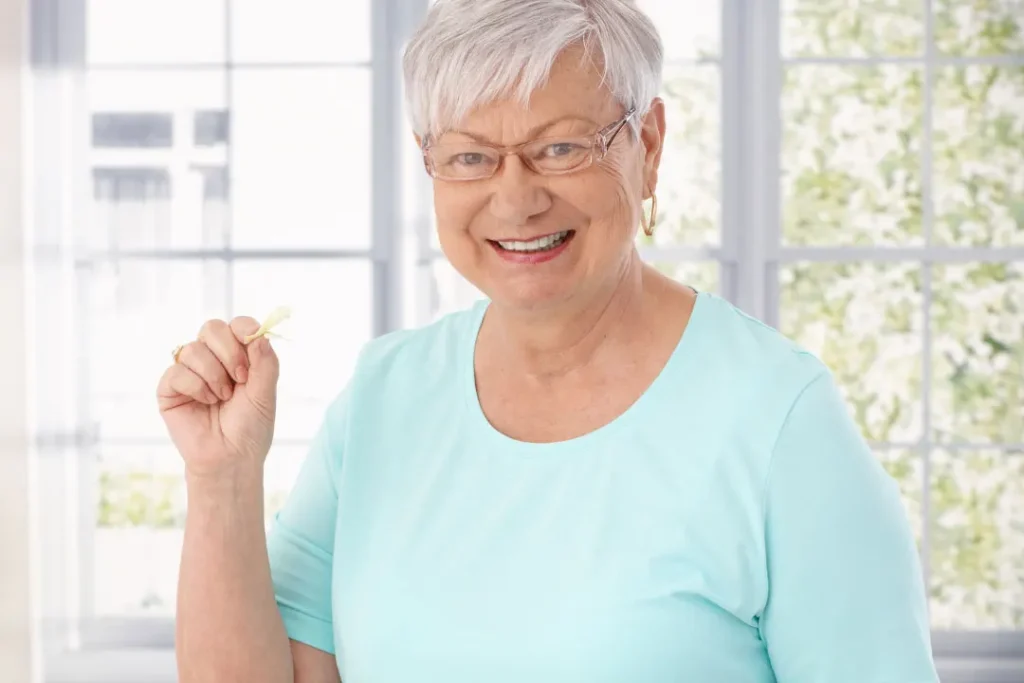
(560, 149)
(469, 159)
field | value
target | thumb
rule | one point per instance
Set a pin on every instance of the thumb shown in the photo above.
(264, 370)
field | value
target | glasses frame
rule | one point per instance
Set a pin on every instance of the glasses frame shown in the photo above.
(601, 141)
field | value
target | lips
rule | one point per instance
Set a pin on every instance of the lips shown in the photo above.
(533, 251)
(537, 244)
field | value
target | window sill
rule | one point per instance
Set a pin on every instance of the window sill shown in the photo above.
(134, 665)
(152, 665)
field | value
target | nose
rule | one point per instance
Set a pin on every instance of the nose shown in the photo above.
(517, 195)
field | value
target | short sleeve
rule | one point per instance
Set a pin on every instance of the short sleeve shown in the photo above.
(300, 542)
(846, 600)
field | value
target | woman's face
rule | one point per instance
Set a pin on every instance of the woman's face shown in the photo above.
(484, 225)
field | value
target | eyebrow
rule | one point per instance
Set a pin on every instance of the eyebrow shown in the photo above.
(530, 134)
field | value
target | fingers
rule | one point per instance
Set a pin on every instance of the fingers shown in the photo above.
(243, 326)
(179, 385)
(220, 339)
(263, 362)
(201, 360)
(208, 368)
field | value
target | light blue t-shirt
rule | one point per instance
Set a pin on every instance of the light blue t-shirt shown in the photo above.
(730, 526)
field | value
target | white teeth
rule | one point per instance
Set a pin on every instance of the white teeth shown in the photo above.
(539, 244)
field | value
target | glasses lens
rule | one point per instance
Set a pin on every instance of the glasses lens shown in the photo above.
(558, 155)
(463, 161)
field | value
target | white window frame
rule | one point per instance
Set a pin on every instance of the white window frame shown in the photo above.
(78, 646)
(752, 233)
(749, 257)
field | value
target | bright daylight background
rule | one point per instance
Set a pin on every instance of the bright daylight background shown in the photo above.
(851, 171)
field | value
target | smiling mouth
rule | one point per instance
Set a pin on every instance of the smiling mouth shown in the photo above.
(535, 246)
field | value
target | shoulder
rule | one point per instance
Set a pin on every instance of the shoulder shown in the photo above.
(396, 372)
(782, 399)
(422, 348)
(741, 382)
(754, 358)
(414, 361)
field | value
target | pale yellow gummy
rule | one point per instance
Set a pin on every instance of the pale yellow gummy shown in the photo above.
(277, 316)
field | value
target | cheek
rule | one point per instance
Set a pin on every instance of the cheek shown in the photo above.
(610, 198)
(454, 210)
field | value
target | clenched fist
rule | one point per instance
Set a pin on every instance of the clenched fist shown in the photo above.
(219, 400)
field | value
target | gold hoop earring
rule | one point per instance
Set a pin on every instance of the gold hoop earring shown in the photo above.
(648, 223)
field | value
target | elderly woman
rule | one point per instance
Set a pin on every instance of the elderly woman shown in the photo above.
(596, 475)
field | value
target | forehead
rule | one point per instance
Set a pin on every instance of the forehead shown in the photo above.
(574, 88)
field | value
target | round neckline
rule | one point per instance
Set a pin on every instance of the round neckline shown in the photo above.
(482, 427)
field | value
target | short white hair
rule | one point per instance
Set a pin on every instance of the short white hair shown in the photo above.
(468, 53)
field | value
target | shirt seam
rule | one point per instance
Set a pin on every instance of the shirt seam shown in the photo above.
(334, 444)
(769, 470)
(821, 375)
(289, 606)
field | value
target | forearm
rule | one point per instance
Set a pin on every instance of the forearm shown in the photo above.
(228, 625)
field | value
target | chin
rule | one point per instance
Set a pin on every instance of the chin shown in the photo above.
(531, 296)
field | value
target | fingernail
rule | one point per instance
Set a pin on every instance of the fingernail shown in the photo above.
(241, 374)
(225, 393)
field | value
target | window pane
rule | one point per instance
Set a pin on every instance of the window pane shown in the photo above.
(155, 185)
(979, 27)
(978, 353)
(977, 540)
(449, 291)
(301, 158)
(332, 303)
(689, 204)
(140, 514)
(864, 321)
(155, 31)
(280, 473)
(131, 208)
(271, 31)
(979, 156)
(689, 29)
(157, 91)
(134, 314)
(704, 277)
(851, 155)
(838, 28)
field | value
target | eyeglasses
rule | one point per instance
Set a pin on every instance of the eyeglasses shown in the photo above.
(546, 156)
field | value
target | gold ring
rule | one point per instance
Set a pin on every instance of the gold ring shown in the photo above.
(177, 352)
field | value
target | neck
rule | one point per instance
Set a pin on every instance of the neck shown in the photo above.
(553, 342)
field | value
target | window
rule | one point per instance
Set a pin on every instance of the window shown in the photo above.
(212, 158)
(851, 173)
(900, 263)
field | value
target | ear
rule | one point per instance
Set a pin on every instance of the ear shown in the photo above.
(652, 134)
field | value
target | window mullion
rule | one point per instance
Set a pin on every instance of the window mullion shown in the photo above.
(927, 214)
(755, 154)
(731, 141)
(390, 24)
